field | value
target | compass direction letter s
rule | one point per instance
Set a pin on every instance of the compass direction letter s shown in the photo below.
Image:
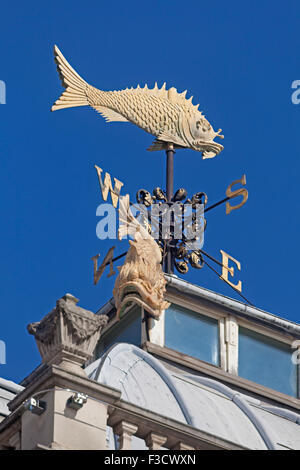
(238, 192)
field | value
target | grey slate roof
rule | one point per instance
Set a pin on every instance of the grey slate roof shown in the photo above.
(8, 390)
(199, 401)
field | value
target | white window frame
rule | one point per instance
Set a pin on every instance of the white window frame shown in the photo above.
(228, 332)
(281, 338)
(193, 307)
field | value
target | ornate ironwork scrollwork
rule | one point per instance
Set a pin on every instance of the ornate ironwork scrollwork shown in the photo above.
(182, 248)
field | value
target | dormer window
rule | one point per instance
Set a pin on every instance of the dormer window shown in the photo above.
(267, 361)
(193, 334)
(246, 347)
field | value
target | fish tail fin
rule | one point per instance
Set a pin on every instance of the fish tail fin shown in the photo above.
(76, 88)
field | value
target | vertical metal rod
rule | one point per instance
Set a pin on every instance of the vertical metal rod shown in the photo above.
(169, 260)
(170, 171)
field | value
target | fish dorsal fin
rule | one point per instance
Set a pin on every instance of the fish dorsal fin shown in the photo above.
(170, 94)
(109, 114)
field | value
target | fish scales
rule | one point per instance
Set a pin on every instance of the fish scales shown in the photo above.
(164, 113)
(146, 111)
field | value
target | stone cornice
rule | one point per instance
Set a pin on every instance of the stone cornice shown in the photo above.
(54, 376)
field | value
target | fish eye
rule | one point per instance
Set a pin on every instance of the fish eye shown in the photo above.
(206, 127)
(198, 124)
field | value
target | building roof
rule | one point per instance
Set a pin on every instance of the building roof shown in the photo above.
(239, 308)
(8, 390)
(201, 402)
(235, 307)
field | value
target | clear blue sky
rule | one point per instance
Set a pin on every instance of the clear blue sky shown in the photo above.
(238, 59)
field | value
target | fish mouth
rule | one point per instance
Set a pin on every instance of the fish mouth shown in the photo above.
(209, 149)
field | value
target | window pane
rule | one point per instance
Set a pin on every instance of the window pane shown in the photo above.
(267, 362)
(192, 334)
(127, 330)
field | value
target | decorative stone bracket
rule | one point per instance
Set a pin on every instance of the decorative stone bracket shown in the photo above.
(67, 336)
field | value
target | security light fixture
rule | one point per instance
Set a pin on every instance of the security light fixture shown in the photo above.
(77, 400)
(36, 407)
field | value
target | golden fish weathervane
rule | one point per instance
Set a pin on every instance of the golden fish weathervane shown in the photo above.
(166, 114)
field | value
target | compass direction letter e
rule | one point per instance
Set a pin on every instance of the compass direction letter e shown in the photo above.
(106, 187)
(238, 192)
(226, 269)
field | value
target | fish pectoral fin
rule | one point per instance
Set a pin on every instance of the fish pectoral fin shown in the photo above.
(171, 138)
(162, 144)
(110, 115)
(157, 145)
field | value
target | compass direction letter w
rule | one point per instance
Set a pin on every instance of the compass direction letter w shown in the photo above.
(106, 186)
(98, 271)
